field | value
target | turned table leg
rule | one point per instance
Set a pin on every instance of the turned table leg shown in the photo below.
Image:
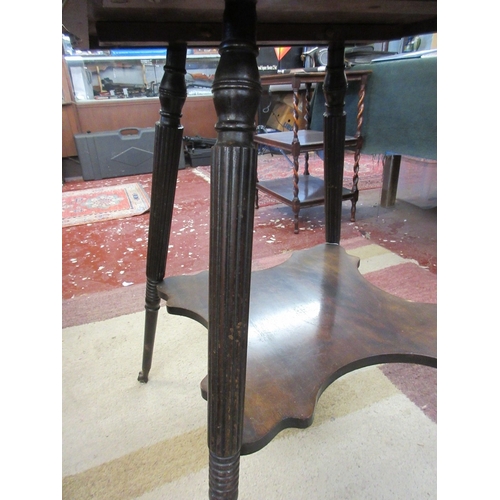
(236, 90)
(167, 150)
(307, 120)
(296, 154)
(359, 145)
(334, 139)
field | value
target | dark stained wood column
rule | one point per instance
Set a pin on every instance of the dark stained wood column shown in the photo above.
(236, 92)
(334, 138)
(167, 150)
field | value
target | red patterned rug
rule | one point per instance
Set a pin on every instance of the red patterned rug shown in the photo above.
(105, 203)
(276, 166)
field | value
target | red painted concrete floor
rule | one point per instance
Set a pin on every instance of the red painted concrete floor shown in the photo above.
(111, 255)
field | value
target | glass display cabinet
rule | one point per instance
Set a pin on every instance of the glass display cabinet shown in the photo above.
(125, 74)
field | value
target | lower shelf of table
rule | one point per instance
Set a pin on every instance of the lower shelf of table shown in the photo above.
(312, 319)
(311, 190)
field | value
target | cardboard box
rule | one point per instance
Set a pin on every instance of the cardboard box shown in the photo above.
(281, 117)
(417, 183)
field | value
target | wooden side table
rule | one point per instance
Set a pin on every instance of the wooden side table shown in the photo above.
(274, 346)
(308, 190)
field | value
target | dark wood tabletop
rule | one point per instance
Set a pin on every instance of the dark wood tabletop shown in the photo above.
(279, 22)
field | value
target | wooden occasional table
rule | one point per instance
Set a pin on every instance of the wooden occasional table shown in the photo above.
(308, 190)
(300, 325)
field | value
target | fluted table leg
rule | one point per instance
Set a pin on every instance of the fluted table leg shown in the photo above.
(236, 92)
(334, 139)
(167, 150)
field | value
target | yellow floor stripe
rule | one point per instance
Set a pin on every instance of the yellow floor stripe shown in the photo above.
(140, 471)
(367, 251)
(374, 258)
(148, 468)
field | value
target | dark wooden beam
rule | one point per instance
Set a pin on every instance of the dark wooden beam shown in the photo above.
(119, 33)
